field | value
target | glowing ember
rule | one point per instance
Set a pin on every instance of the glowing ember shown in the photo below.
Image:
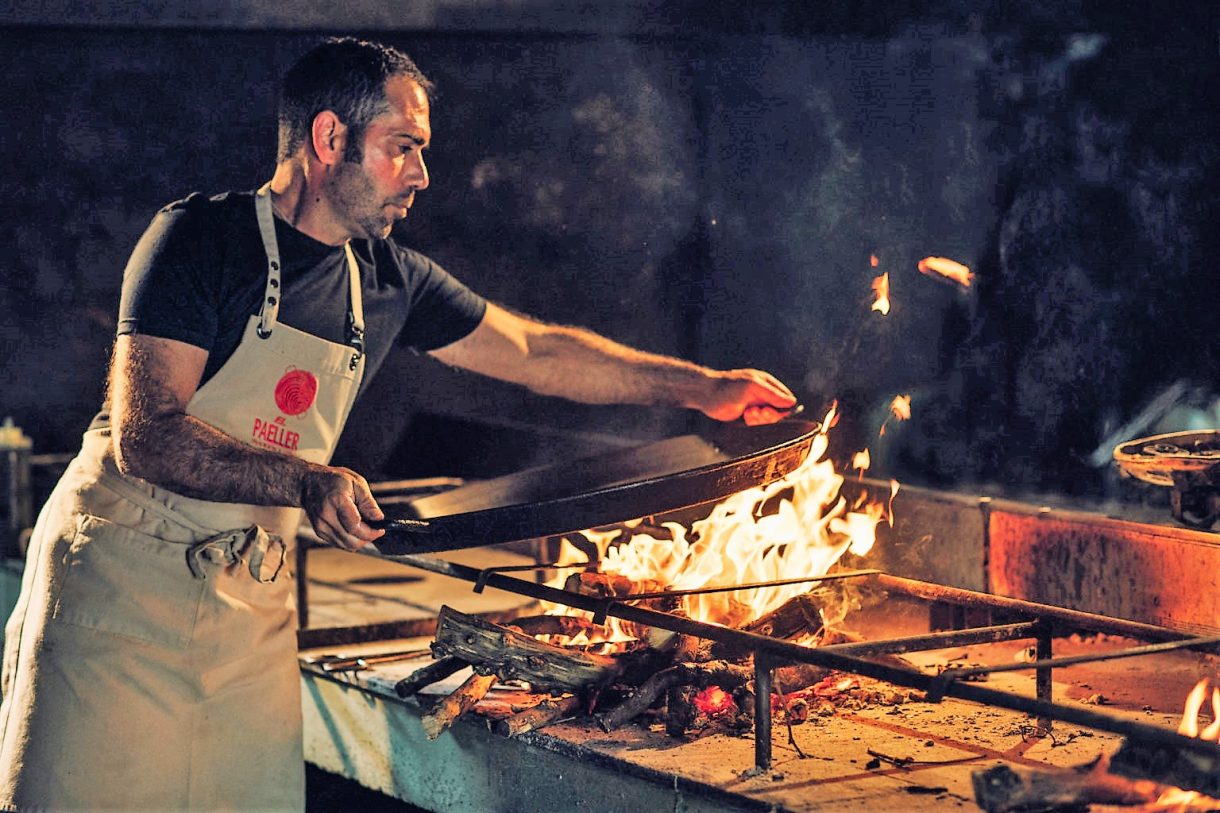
(714, 701)
(799, 525)
(947, 269)
(874, 260)
(900, 408)
(881, 287)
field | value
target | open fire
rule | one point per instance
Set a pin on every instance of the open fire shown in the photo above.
(800, 525)
(1176, 799)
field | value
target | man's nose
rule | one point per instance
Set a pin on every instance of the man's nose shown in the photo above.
(418, 175)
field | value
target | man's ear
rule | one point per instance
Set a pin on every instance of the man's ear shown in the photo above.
(329, 137)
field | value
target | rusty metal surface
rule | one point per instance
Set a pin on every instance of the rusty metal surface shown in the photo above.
(1148, 573)
(937, 536)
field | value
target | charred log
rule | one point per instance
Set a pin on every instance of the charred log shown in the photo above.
(799, 615)
(1005, 789)
(492, 648)
(1190, 770)
(796, 617)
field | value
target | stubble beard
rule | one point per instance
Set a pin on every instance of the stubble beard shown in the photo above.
(357, 202)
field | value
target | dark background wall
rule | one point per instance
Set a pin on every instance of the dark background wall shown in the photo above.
(704, 179)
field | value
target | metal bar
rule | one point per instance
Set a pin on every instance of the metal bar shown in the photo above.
(937, 640)
(1043, 675)
(331, 663)
(699, 591)
(1069, 618)
(786, 651)
(481, 582)
(1072, 660)
(301, 560)
(762, 711)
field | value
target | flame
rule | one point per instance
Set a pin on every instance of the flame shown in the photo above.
(860, 460)
(799, 525)
(714, 701)
(1189, 727)
(881, 287)
(889, 509)
(874, 260)
(945, 268)
(1176, 798)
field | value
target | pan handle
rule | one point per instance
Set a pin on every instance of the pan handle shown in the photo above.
(411, 526)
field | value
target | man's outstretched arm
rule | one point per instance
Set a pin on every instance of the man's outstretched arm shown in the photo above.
(583, 366)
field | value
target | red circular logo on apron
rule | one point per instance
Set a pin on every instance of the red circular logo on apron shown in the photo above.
(295, 392)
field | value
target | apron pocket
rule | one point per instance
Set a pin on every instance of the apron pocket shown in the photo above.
(121, 581)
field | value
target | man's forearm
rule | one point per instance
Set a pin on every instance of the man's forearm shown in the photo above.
(583, 366)
(185, 455)
(156, 440)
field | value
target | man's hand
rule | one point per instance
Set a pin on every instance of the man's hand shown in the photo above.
(337, 502)
(754, 396)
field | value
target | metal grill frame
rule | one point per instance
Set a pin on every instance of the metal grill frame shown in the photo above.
(1043, 624)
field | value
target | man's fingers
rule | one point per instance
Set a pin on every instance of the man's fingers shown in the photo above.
(353, 523)
(774, 393)
(758, 415)
(366, 503)
(348, 513)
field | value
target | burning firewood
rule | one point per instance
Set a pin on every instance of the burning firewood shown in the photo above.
(1005, 789)
(606, 585)
(441, 716)
(719, 673)
(567, 625)
(545, 713)
(795, 618)
(1191, 770)
(514, 655)
(689, 711)
(799, 615)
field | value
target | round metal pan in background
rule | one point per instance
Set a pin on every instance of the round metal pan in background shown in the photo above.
(620, 485)
(1156, 459)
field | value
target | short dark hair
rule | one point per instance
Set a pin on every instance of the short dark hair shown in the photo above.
(344, 75)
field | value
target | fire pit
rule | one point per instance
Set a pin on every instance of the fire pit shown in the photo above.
(860, 749)
(860, 686)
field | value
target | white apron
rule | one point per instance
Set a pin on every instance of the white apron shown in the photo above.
(150, 662)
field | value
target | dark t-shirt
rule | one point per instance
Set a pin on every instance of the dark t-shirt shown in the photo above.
(198, 272)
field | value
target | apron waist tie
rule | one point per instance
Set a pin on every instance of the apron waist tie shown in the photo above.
(250, 545)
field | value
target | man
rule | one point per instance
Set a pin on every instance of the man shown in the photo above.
(150, 660)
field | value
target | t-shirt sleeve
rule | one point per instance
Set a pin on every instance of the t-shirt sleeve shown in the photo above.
(442, 309)
(171, 283)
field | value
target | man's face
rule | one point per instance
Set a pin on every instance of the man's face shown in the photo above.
(368, 196)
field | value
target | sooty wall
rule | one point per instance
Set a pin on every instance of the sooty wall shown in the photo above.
(703, 179)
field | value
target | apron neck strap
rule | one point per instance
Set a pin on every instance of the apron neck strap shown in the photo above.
(355, 309)
(272, 291)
